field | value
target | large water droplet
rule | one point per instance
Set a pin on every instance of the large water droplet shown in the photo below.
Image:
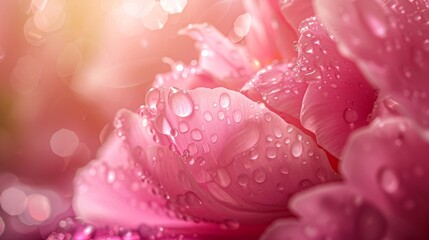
(152, 98)
(388, 180)
(181, 103)
(224, 100)
(192, 199)
(196, 134)
(243, 180)
(237, 116)
(271, 153)
(231, 224)
(284, 170)
(183, 127)
(253, 154)
(350, 115)
(259, 175)
(208, 116)
(296, 149)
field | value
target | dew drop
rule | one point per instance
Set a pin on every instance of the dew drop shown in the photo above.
(181, 103)
(259, 175)
(305, 184)
(237, 116)
(221, 115)
(213, 138)
(271, 153)
(208, 116)
(253, 154)
(224, 100)
(296, 149)
(192, 199)
(183, 127)
(284, 170)
(152, 98)
(268, 117)
(231, 224)
(196, 134)
(243, 180)
(388, 180)
(350, 115)
(287, 140)
(281, 187)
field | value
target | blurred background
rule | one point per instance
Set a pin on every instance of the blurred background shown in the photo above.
(66, 67)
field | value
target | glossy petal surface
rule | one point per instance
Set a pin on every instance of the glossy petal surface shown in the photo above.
(389, 41)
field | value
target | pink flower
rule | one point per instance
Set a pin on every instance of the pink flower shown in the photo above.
(197, 159)
(384, 195)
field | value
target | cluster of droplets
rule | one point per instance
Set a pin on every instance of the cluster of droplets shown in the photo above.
(73, 229)
(319, 63)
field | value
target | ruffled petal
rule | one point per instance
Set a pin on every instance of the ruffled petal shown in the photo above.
(338, 99)
(276, 86)
(387, 163)
(110, 191)
(389, 42)
(221, 157)
(227, 62)
(270, 37)
(334, 212)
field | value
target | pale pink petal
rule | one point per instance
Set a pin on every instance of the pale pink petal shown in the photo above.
(222, 157)
(270, 37)
(185, 77)
(333, 211)
(296, 11)
(218, 56)
(338, 99)
(389, 42)
(110, 191)
(387, 163)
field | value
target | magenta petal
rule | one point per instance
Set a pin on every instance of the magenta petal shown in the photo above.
(389, 42)
(333, 211)
(338, 99)
(388, 163)
(276, 86)
(270, 37)
(218, 56)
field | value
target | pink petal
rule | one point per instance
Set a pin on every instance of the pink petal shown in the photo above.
(387, 163)
(296, 11)
(331, 212)
(389, 42)
(276, 86)
(222, 157)
(270, 37)
(338, 99)
(219, 57)
(185, 77)
(110, 191)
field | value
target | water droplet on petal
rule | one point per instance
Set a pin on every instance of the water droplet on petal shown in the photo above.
(284, 170)
(259, 175)
(213, 138)
(181, 103)
(152, 98)
(388, 180)
(196, 134)
(183, 127)
(271, 153)
(224, 100)
(253, 154)
(208, 116)
(350, 115)
(296, 149)
(231, 224)
(243, 180)
(192, 199)
(237, 116)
